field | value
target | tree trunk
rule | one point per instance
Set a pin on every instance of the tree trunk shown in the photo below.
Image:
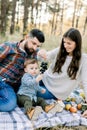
(26, 12)
(61, 19)
(85, 25)
(13, 17)
(4, 15)
(32, 17)
(37, 4)
(74, 13)
(78, 13)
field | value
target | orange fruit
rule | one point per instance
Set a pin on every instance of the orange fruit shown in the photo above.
(73, 109)
(79, 106)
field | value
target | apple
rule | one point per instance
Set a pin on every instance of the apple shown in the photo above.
(82, 95)
(67, 106)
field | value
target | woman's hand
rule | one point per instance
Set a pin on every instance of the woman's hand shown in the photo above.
(84, 114)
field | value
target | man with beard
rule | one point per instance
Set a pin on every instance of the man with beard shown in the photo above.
(12, 57)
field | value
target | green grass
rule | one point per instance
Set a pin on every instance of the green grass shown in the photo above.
(64, 128)
(51, 41)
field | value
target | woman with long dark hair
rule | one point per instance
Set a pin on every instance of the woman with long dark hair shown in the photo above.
(68, 67)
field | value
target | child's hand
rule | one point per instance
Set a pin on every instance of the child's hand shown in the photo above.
(39, 77)
(43, 91)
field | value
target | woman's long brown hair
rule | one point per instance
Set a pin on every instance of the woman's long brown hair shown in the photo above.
(75, 36)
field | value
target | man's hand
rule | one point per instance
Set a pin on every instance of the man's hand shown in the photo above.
(42, 53)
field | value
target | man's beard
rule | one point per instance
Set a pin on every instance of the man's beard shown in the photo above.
(28, 51)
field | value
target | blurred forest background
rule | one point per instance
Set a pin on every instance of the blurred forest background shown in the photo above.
(51, 16)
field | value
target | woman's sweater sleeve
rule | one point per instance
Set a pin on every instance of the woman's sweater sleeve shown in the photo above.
(51, 55)
(84, 74)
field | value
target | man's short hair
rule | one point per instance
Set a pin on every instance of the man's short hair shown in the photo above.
(38, 34)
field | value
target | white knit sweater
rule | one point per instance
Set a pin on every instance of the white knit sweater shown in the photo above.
(60, 84)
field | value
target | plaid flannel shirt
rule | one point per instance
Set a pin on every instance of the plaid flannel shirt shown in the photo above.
(11, 62)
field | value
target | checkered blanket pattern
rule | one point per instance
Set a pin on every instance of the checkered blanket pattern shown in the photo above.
(64, 118)
(17, 120)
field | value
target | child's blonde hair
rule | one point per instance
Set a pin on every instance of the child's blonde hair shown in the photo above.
(30, 61)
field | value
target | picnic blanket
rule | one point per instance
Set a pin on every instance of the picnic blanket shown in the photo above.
(17, 120)
(64, 118)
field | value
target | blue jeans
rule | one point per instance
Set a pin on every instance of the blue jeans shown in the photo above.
(47, 94)
(8, 100)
